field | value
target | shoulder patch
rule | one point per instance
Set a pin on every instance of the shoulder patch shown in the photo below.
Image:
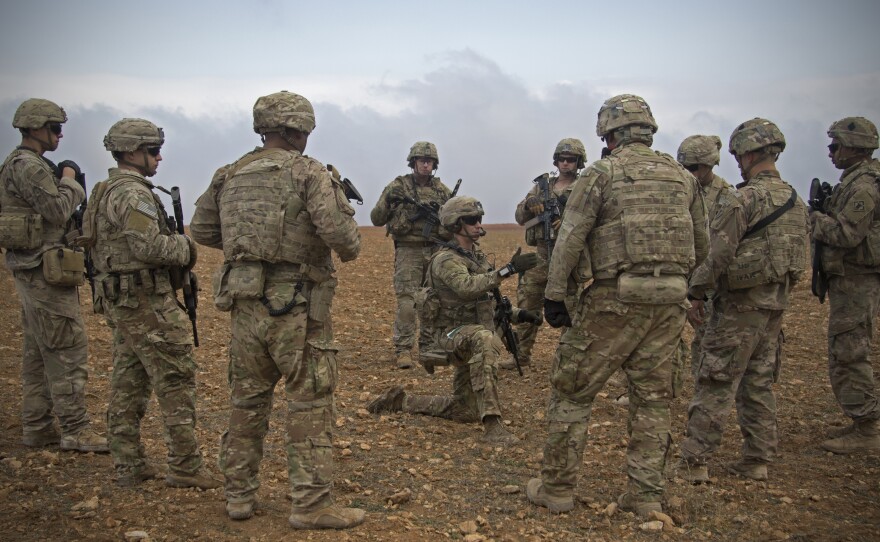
(147, 209)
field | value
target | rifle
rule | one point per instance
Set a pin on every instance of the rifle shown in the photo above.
(503, 316)
(190, 283)
(819, 194)
(551, 213)
(348, 187)
(428, 212)
(78, 215)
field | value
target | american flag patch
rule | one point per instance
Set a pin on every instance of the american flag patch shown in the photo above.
(147, 209)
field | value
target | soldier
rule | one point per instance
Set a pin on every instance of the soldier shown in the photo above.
(756, 255)
(411, 249)
(850, 233)
(640, 216)
(460, 312)
(699, 154)
(278, 281)
(36, 204)
(137, 257)
(570, 156)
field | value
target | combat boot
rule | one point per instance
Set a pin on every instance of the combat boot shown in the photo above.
(694, 473)
(329, 517)
(837, 432)
(628, 503)
(509, 363)
(240, 510)
(390, 401)
(198, 481)
(537, 495)
(748, 469)
(135, 476)
(404, 360)
(494, 432)
(41, 439)
(864, 437)
(85, 441)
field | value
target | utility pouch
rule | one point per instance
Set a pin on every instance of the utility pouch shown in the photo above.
(64, 267)
(220, 287)
(532, 235)
(21, 232)
(321, 298)
(650, 289)
(246, 280)
(110, 287)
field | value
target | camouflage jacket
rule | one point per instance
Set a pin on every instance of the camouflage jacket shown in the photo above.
(712, 193)
(523, 215)
(462, 281)
(393, 213)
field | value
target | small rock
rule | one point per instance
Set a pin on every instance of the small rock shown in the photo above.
(401, 496)
(653, 526)
(365, 447)
(675, 503)
(474, 537)
(12, 463)
(660, 516)
(468, 527)
(84, 506)
(815, 498)
(363, 413)
(135, 536)
(779, 535)
(342, 443)
(610, 510)
(786, 500)
(510, 490)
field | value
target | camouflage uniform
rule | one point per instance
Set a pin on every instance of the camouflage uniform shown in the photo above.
(641, 217)
(54, 353)
(278, 281)
(412, 251)
(850, 257)
(752, 275)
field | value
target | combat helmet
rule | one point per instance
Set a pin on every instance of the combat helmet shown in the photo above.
(854, 132)
(128, 135)
(457, 207)
(281, 110)
(422, 149)
(756, 134)
(570, 145)
(700, 150)
(36, 112)
(624, 110)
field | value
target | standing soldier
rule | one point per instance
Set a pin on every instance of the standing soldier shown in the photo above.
(570, 156)
(757, 253)
(699, 154)
(278, 281)
(460, 312)
(137, 257)
(35, 220)
(641, 217)
(849, 229)
(412, 251)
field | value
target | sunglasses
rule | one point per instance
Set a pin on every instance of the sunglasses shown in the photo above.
(692, 167)
(153, 151)
(472, 220)
(834, 147)
(55, 128)
(567, 159)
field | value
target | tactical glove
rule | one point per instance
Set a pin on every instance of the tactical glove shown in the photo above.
(193, 253)
(77, 172)
(534, 205)
(531, 317)
(519, 263)
(556, 314)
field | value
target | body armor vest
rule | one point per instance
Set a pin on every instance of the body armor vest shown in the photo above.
(11, 203)
(453, 310)
(647, 224)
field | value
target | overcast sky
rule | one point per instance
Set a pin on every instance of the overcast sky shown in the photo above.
(494, 84)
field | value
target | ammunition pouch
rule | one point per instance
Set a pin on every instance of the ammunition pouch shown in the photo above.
(21, 231)
(64, 267)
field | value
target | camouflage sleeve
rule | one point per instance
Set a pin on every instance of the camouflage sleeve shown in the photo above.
(205, 223)
(726, 229)
(523, 214)
(849, 224)
(698, 218)
(331, 214)
(453, 272)
(133, 209)
(36, 184)
(447, 193)
(382, 211)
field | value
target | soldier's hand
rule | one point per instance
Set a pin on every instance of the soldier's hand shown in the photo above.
(531, 317)
(534, 205)
(523, 262)
(70, 169)
(193, 253)
(696, 315)
(556, 313)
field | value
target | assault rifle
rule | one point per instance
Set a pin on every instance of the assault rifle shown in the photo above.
(78, 215)
(551, 213)
(503, 316)
(189, 283)
(428, 212)
(819, 194)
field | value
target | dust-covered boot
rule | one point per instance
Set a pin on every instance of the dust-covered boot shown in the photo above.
(85, 441)
(748, 469)
(329, 517)
(510, 364)
(136, 475)
(390, 401)
(494, 432)
(694, 473)
(240, 510)
(537, 495)
(865, 437)
(837, 432)
(198, 481)
(41, 439)
(628, 503)
(404, 360)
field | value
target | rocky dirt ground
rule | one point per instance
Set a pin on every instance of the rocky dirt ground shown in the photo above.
(421, 478)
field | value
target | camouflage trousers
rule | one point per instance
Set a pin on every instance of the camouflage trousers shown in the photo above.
(699, 332)
(854, 303)
(739, 362)
(410, 263)
(607, 335)
(264, 349)
(475, 353)
(152, 352)
(54, 356)
(530, 296)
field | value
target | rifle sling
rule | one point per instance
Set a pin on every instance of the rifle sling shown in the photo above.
(769, 219)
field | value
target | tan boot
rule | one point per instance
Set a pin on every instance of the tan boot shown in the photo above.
(693, 473)
(537, 495)
(330, 517)
(837, 432)
(746, 469)
(496, 433)
(240, 511)
(135, 476)
(390, 401)
(85, 441)
(41, 439)
(628, 503)
(509, 363)
(198, 481)
(865, 437)
(404, 360)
